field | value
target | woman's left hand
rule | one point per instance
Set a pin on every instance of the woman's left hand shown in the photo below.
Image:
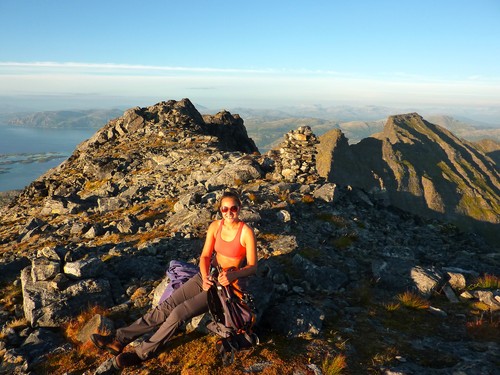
(225, 278)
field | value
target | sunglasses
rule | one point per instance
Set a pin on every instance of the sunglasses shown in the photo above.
(233, 209)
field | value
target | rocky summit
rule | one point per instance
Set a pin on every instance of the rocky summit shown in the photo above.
(346, 280)
(421, 168)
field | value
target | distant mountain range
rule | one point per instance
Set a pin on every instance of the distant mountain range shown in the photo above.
(266, 127)
(92, 118)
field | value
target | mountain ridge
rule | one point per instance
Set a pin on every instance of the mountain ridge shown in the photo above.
(424, 168)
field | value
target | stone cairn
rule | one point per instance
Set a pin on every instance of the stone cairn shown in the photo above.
(295, 158)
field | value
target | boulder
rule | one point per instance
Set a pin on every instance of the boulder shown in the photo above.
(241, 171)
(45, 306)
(43, 269)
(85, 268)
(97, 324)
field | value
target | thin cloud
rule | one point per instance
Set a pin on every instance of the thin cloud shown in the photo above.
(43, 67)
(113, 67)
(127, 67)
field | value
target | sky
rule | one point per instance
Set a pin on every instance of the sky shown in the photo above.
(256, 53)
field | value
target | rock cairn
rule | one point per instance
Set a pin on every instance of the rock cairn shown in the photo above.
(295, 158)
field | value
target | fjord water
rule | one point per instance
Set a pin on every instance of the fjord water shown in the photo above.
(27, 153)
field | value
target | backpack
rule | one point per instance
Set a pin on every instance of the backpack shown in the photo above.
(178, 273)
(233, 317)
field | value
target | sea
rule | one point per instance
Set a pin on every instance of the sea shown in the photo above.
(27, 153)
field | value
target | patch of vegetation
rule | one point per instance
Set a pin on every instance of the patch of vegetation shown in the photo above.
(335, 365)
(486, 282)
(484, 328)
(413, 301)
(391, 306)
(10, 296)
(17, 324)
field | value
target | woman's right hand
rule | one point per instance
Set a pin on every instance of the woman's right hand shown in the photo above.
(207, 283)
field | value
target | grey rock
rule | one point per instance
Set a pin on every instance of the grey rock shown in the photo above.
(241, 171)
(106, 368)
(106, 204)
(425, 279)
(129, 224)
(325, 192)
(488, 298)
(187, 219)
(82, 269)
(43, 269)
(46, 307)
(393, 274)
(284, 216)
(53, 253)
(39, 344)
(97, 324)
(158, 291)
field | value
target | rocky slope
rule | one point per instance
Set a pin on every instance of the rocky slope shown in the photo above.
(333, 264)
(491, 148)
(421, 168)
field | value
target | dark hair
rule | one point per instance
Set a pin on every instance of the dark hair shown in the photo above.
(230, 194)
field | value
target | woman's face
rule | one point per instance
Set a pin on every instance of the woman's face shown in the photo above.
(229, 208)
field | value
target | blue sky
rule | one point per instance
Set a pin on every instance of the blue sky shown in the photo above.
(254, 53)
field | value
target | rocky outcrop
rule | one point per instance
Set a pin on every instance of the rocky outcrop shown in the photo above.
(102, 228)
(333, 150)
(421, 168)
(231, 132)
(53, 295)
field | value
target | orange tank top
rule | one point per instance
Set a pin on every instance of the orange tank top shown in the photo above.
(231, 249)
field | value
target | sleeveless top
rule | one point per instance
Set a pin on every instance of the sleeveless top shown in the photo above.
(231, 249)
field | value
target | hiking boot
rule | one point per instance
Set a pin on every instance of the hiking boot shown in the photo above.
(108, 343)
(126, 360)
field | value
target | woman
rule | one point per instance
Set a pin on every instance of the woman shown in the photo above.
(234, 245)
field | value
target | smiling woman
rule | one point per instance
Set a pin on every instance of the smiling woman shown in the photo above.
(230, 248)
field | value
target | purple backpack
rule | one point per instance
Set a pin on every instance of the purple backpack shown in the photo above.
(178, 273)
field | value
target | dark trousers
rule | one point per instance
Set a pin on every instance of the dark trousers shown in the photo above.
(185, 303)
